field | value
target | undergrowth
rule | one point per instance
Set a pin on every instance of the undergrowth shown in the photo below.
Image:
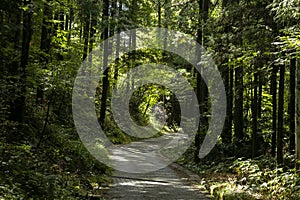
(245, 178)
(60, 168)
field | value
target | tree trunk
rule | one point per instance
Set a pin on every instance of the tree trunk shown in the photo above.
(230, 100)
(105, 81)
(93, 25)
(280, 116)
(113, 18)
(274, 107)
(259, 98)
(71, 18)
(27, 32)
(238, 105)
(292, 106)
(297, 142)
(254, 117)
(62, 20)
(14, 68)
(159, 13)
(67, 20)
(86, 34)
(227, 134)
(201, 90)
(116, 73)
(44, 48)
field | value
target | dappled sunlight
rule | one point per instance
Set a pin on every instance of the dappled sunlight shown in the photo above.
(161, 184)
(148, 154)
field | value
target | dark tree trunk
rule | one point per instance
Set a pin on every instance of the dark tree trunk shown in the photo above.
(201, 90)
(274, 109)
(105, 81)
(238, 105)
(14, 68)
(255, 141)
(230, 100)
(55, 27)
(134, 9)
(67, 20)
(70, 24)
(61, 19)
(292, 105)
(280, 116)
(113, 18)
(159, 13)
(44, 47)
(86, 35)
(46, 31)
(227, 133)
(297, 142)
(116, 73)
(259, 98)
(27, 32)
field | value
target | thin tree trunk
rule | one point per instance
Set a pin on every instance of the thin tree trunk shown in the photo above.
(238, 105)
(254, 117)
(133, 38)
(230, 99)
(55, 27)
(62, 20)
(44, 48)
(27, 32)
(67, 19)
(159, 13)
(280, 116)
(274, 109)
(92, 32)
(297, 142)
(259, 98)
(113, 18)
(71, 18)
(14, 68)
(292, 106)
(86, 35)
(226, 134)
(116, 74)
(105, 81)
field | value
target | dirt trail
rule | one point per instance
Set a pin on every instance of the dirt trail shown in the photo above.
(162, 184)
(166, 183)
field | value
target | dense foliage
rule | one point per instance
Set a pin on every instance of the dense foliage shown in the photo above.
(255, 45)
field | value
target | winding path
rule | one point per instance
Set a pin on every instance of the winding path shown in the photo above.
(166, 183)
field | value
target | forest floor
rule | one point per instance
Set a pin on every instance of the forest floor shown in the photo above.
(170, 182)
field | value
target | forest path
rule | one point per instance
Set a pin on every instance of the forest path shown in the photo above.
(165, 183)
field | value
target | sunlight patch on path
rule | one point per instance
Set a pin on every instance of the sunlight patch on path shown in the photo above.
(164, 183)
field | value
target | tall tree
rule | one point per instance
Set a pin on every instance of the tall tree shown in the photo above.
(44, 47)
(239, 105)
(201, 88)
(274, 108)
(105, 81)
(86, 33)
(26, 38)
(255, 114)
(280, 115)
(297, 142)
(292, 104)
(118, 13)
(14, 68)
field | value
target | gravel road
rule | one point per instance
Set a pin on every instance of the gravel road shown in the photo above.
(164, 183)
